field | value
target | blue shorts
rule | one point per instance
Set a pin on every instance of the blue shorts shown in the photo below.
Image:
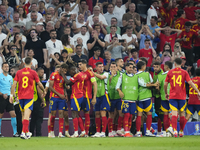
(129, 107)
(57, 103)
(165, 106)
(103, 103)
(66, 107)
(145, 106)
(177, 104)
(85, 106)
(115, 103)
(76, 104)
(49, 108)
(192, 108)
(25, 103)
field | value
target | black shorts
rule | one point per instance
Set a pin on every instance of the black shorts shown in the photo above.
(5, 105)
(157, 104)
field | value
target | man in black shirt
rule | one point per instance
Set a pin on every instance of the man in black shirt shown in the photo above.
(45, 35)
(79, 54)
(95, 42)
(38, 47)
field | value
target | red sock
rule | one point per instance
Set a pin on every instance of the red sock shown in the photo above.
(159, 125)
(183, 122)
(126, 119)
(138, 123)
(80, 123)
(115, 127)
(66, 127)
(166, 121)
(130, 122)
(98, 124)
(120, 123)
(61, 123)
(174, 122)
(75, 123)
(87, 123)
(49, 128)
(52, 121)
(104, 124)
(110, 125)
(148, 122)
(25, 124)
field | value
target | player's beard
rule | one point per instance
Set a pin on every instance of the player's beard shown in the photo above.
(13, 75)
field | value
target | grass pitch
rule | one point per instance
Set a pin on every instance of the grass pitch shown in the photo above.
(144, 143)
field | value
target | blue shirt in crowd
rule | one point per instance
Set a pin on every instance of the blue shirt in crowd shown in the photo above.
(5, 84)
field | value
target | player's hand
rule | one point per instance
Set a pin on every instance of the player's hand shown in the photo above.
(42, 104)
(121, 95)
(17, 100)
(66, 97)
(156, 84)
(93, 101)
(167, 96)
(11, 99)
(62, 96)
(5, 96)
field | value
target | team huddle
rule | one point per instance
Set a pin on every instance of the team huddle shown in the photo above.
(125, 95)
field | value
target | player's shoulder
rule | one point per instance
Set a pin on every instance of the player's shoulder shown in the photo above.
(90, 73)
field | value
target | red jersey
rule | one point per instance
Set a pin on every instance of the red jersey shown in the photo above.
(196, 40)
(180, 23)
(147, 54)
(26, 79)
(189, 12)
(26, 7)
(92, 61)
(167, 39)
(77, 86)
(193, 98)
(171, 13)
(164, 15)
(177, 77)
(58, 84)
(189, 36)
(198, 63)
(88, 79)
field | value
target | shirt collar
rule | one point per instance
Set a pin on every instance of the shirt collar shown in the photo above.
(95, 59)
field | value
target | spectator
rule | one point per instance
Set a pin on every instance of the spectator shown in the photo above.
(47, 19)
(24, 4)
(144, 34)
(65, 58)
(101, 7)
(22, 15)
(116, 48)
(20, 45)
(53, 45)
(12, 58)
(102, 26)
(2, 60)
(172, 11)
(166, 54)
(5, 16)
(8, 8)
(96, 12)
(105, 4)
(131, 15)
(38, 47)
(97, 27)
(113, 22)
(2, 36)
(33, 20)
(74, 6)
(16, 29)
(65, 39)
(186, 38)
(108, 38)
(148, 53)
(132, 24)
(152, 11)
(196, 40)
(107, 60)
(153, 25)
(96, 58)
(94, 42)
(120, 10)
(130, 38)
(82, 34)
(56, 60)
(109, 15)
(84, 10)
(185, 67)
(60, 25)
(190, 11)
(39, 28)
(177, 51)
(54, 15)
(84, 47)
(132, 55)
(34, 9)
(41, 8)
(78, 24)
(67, 11)
(79, 54)
(167, 37)
(34, 62)
(45, 35)
(197, 13)
(55, 4)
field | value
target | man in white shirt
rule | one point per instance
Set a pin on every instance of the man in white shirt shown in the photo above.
(109, 15)
(53, 45)
(96, 12)
(152, 11)
(74, 6)
(120, 10)
(34, 8)
(2, 35)
(82, 34)
(130, 38)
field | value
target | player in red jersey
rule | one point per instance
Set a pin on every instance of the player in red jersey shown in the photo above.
(76, 81)
(193, 102)
(177, 77)
(26, 79)
(89, 81)
(180, 22)
(58, 97)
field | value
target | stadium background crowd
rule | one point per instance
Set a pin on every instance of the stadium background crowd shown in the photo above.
(54, 32)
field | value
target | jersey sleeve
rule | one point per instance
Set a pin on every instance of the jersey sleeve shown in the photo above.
(91, 75)
(74, 78)
(36, 77)
(167, 78)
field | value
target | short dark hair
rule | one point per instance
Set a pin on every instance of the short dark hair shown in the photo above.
(53, 30)
(78, 45)
(154, 1)
(33, 30)
(140, 64)
(147, 40)
(129, 27)
(144, 59)
(169, 64)
(96, 48)
(114, 18)
(187, 24)
(155, 18)
(83, 61)
(98, 63)
(38, 69)
(111, 4)
(178, 61)
(4, 63)
(113, 63)
(117, 59)
(157, 63)
(67, 3)
(28, 60)
(16, 26)
(113, 26)
(85, 27)
(57, 66)
(128, 64)
(65, 66)
(134, 50)
(197, 71)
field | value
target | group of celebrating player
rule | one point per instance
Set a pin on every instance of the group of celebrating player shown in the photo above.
(124, 94)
